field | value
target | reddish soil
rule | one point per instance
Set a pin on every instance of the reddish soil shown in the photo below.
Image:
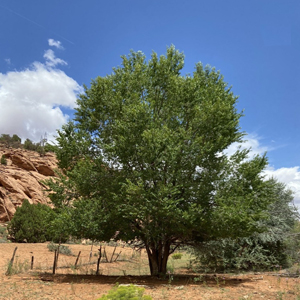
(82, 283)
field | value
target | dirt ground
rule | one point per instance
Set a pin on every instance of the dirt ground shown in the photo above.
(130, 268)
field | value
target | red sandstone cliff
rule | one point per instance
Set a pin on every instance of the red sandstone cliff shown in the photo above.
(21, 178)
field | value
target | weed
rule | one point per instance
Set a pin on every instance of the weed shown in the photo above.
(170, 267)
(198, 279)
(171, 278)
(164, 294)
(217, 281)
(17, 267)
(280, 295)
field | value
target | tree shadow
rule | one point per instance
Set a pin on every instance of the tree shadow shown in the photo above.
(147, 280)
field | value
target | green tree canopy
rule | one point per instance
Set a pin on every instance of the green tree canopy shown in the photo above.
(145, 155)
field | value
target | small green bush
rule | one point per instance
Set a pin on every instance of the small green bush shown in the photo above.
(3, 160)
(3, 235)
(177, 256)
(130, 292)
(62, 249)
(2, 231)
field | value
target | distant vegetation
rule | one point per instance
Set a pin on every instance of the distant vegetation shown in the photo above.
(15, 141)
(11, 141)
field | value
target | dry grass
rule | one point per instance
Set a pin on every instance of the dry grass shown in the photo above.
(131, 267)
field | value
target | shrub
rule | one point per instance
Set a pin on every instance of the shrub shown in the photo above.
(277, 245)
(31, 223)
(2, 231)
(130, 292)
(177, 255)
(37, 223)
(29, 145)
(62, 249)
(3, 235)
(3, 160)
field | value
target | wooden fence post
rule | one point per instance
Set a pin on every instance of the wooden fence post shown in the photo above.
(32, 259)
(91, 252)
(57, 254)
(54, 263)
(119, 253)
(98, 262)
(10, 264)
(77, 259)
(104, 252)
(113, 254)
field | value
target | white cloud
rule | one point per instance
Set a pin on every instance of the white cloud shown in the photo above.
(52, 60)
(289, 176)
(54, 43)
(7, 60)
(31, 99)
(250, 141)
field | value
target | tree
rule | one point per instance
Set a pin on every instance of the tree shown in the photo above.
(275, 246)
(146, 157)
(16, 138)
(38, 147)
(29, 145)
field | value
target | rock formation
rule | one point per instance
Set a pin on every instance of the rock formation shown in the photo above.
(22, 178)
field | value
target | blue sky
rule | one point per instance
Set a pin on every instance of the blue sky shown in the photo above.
(49, 49)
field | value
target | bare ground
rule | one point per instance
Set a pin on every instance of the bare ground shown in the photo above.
(82, 283)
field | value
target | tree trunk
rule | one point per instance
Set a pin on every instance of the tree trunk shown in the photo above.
(158, 254)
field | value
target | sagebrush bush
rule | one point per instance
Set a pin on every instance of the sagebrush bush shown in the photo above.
(3, 235)
(130, 292)
(2, 231)
(62, 249)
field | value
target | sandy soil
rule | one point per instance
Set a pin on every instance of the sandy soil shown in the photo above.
(131, 267)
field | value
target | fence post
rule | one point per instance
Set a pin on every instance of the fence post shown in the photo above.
(10, 264)
(98, 262)
(54, 263)
(77, 259)
(32, 259)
